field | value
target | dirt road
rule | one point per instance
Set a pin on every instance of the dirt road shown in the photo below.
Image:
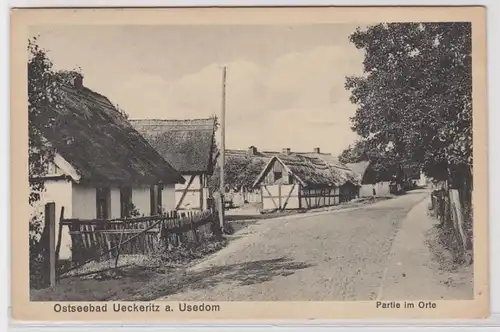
(338, 255)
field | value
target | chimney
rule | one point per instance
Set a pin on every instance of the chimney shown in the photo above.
(78, 80)
(73, 78)
(252, 151)
(316, 150)
(286, 150)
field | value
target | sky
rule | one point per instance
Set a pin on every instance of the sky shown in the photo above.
(284, 87)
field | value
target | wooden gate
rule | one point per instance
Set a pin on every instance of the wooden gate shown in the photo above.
(280, 197)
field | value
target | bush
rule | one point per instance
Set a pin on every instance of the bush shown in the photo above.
(37, 268)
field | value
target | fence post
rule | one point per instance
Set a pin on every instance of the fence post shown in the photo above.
(220, 209)
(59, 235)
(456, 208)
(50, 223)
(193, 229)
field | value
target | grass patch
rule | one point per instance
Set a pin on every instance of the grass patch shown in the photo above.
(137, 278)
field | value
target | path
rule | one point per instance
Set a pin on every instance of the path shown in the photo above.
(337, 255)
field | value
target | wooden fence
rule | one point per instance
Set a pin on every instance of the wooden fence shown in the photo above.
(108, 239)
(448, 209)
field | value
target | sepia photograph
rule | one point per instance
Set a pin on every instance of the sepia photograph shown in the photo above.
(195, 164)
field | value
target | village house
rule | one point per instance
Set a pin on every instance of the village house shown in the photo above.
(189, 145)
(102, 168)
(382, 182)
(304, 181)
(249, 164)
(369, 186)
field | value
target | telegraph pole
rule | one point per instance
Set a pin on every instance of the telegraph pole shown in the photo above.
(223, 148)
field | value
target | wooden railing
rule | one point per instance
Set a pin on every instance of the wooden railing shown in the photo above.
(108, 239)
(448, 209)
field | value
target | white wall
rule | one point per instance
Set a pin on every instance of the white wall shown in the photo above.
(84, 202)
(423, 180)
(115, 203)
(192, 198)
(381, 189)
(275, 196)
(60, 193)
(168, 197)
(141, 197)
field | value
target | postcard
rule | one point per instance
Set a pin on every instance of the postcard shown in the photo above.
(198, 164)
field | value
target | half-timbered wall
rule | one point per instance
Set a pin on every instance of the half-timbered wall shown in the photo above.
(277, 172)
(280, 197)
(294, 196)
(314, 197)
(193, 194)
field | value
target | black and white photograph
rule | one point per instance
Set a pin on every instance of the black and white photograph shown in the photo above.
(200, 163)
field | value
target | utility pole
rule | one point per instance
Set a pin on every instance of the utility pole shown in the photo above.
(223, 149)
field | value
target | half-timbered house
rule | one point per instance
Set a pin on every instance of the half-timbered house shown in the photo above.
(189, 146)
(305, 181)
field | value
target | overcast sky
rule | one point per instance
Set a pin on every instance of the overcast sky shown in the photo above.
(285, 85)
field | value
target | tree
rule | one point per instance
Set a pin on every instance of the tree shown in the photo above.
(414, 100)
(239, 172)
(44, 100)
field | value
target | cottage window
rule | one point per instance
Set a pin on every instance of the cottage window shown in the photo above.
(155, 199)
(103, 203)
(125, 202)
(277, 175)
(290, 179)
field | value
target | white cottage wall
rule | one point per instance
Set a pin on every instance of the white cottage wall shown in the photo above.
(115, 203)
(84, 202)
(60, 193)
(168, 197)
(192, 197)
(141, 197)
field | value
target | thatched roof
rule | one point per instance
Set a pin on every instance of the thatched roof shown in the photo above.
(100, 143)
(312, 169)
(186, 144)
(359, 169)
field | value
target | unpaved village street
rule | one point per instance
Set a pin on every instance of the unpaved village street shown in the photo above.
(337, 255)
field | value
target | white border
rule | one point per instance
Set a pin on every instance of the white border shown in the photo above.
(493, 14)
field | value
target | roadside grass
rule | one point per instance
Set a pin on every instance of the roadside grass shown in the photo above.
(450, 269)
(127, 283)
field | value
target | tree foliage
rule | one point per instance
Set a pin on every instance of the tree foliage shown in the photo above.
(239, 172)
(42, 99)
(414, 100)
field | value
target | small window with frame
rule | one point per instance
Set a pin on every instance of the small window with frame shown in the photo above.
(278, 175)
(125, 202)
(103, 202)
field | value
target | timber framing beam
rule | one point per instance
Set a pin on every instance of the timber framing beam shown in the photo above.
(185, 191)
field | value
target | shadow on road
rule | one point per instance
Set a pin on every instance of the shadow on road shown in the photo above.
(242, 274)
(141, 284)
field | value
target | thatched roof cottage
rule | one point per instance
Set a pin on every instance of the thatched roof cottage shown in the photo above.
(189, 145)
(305, 180)
(103, 168)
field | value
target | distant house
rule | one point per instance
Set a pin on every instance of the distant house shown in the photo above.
(305, 180)
(103, 168)
(414, 176)
(189, 146)
(380, 182)
(242, 167)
